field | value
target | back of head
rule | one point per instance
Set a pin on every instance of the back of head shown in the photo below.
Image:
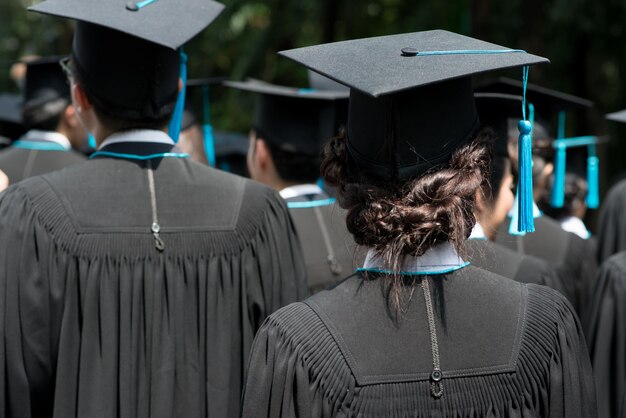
(408, 216)
(46, 94)
(131, 82)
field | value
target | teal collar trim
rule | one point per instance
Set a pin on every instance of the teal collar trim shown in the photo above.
(311, 204)
(415, 273)
(138, 157)
(38, 145)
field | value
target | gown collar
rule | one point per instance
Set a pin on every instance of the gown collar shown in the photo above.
(35, 135)
(137, 135)
(478, 232)
(300, 190)
(576, 226)
(440, 259)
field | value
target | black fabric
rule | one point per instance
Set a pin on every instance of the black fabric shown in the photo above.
(605, 329)
(406, 134)
(129, 77)
(513, 265)
(11, 125)
(346, 253)
(495, 111)
(573, 257)
(507, 350)
(612, 224)
(296, 120)
(165, 23)
(376, 66)
(95, 322)
(544, 99)
(45, 82)
(19, 163)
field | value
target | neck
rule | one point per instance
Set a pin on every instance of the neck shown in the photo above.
(485, 221)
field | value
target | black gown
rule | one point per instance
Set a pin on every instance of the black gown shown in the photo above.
(507, 350)
(20, 163)
(605, 329)
(95, 322)
(522, 268)
(573, 256)
(612, 224)
(329, 250)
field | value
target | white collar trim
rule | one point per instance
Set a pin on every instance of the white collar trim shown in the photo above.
(300, 190)
(442, 258)
(478, 232)
(138, 135)
(48, 136)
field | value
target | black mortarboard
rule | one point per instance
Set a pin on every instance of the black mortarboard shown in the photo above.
(11, 125)
(411, 97)
(231, 149)
(501, 113)
(295, 120)
(125, 52)
(46, 92)
(199, 87)
(319, 82)
(545, 100)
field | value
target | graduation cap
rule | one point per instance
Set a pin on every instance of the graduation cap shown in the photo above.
(547, 101)
(195, 87)
(231, 150)
(11, 126)
(411, 98)
(296, 120)
(501, 113)
(126, 54)
(319, 82)
(562, 145)
(46, 92)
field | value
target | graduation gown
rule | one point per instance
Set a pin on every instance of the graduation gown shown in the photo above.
(507, 350)
(605, 329)
(573, 257)
(513, 265)
(612, 224)
(329, 250)
(20, 163)
(96, 322)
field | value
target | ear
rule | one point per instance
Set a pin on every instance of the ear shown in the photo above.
(70, 116)
(548, 169)
(262, 156)
(79, 98)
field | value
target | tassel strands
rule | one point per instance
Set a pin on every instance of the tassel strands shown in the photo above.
(177, 117)
(593, 178)
(207, 128)
(526, 222)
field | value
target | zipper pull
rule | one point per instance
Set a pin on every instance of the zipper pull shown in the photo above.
(158, 242)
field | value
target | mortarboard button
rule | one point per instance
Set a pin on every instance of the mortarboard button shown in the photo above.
(409, 52)
(132, 6)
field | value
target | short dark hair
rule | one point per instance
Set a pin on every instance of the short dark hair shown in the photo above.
(46, 117)
(294, 167)
(113, 120)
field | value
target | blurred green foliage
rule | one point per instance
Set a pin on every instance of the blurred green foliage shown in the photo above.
(583, 38)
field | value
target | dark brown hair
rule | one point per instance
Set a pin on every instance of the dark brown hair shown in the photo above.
(405, 218)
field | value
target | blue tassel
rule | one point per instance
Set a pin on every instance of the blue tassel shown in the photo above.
(207, 128)
(557, 198)
(91, 140)
(593, 179)
(177, 117)
(515, 218)
(526, 222)
(209, 144)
